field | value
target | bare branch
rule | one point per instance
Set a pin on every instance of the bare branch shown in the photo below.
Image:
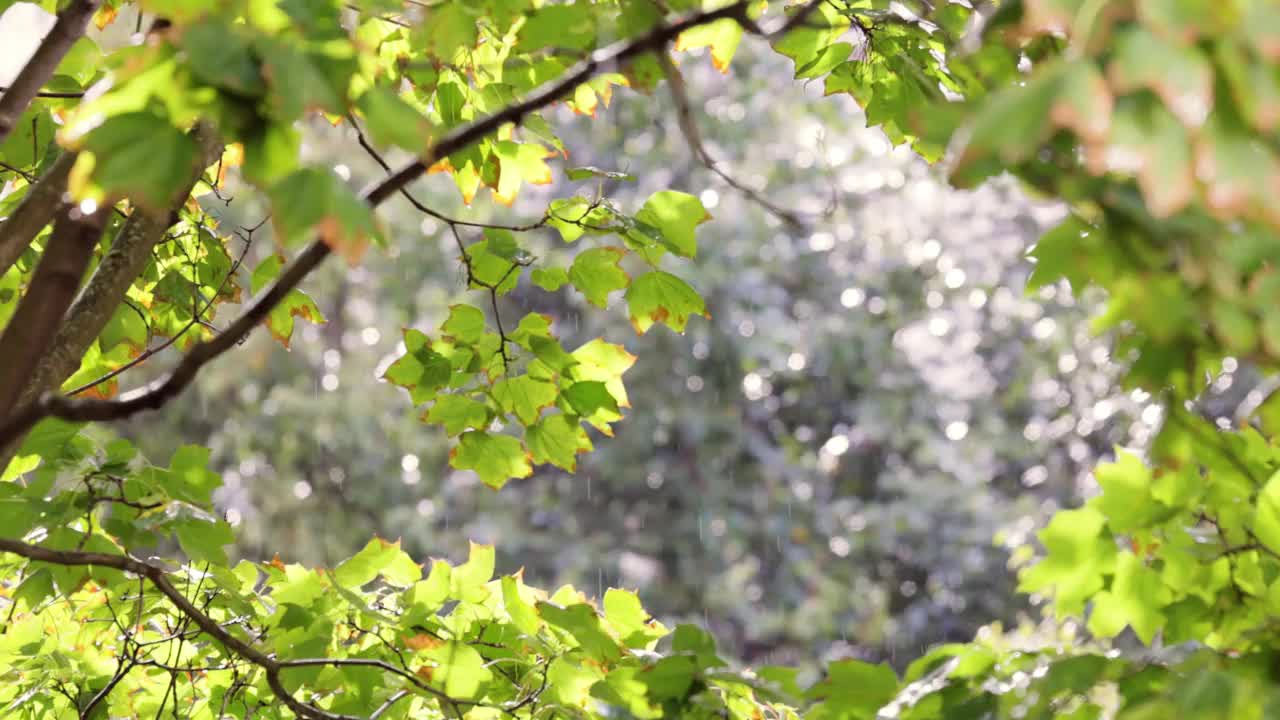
(603, 60)
(689, 128)
(69, 27)
(391, 701)
(52, 95)
(41, 203)
(30, 331)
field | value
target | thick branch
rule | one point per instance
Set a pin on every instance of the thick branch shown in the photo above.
(128, 257)
(68, 28)
(42, 201)
(606, 59)
(30, 331)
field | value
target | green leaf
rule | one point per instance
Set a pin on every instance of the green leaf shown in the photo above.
(457, 413)
(660, 297)
(582, 623)
(465, 324)
(675, 215)
(461, 671)
(295, 304)
(421, 370)
(856, 687)
(491, 270)
(378, 557)
(520, 163)
(1126, 493)
(521, 611)
(550, 279)
(476, 571)
(588, 172)
(32, 133)
(623, 611)
(596, 273)
(604, 362)
(558, 439)
(1179, 74)
(311, 200)
(561, 26)
(203, 540)
(1078, 554)
(301, 80)
(495, 458)
(1266, 518)
(392, 121)
(190, 478)
(138, 155)
(271, 152)
(525, 396)
(1135, 598)
(219, 55)
(590, 396)
(448, 28)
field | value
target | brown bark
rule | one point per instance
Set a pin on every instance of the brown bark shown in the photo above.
(39, 314)
(128, 256)
(42, 202)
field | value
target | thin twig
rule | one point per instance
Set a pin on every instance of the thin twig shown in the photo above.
(689, 128)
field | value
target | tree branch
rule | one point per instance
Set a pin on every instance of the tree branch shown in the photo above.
(69, 27)
(158, 577)
(41, 203)
(30, 331)
(52, 95)
(603, 60)
(689, 128)
(125, 260)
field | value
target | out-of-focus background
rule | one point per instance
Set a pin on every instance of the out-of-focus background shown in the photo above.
(835, 464)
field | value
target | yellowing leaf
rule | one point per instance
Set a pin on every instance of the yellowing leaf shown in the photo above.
(722, 36)
(314, 200)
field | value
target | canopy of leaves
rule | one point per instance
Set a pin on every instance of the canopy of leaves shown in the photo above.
(1154, 121)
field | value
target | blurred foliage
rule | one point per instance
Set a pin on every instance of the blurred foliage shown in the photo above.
(799, 450)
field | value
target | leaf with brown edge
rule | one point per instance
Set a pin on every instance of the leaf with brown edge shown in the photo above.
(519, 163)
(315, 200)
(660, 297)
(295, 304)
(1147, 141)
(422, 641)
(722, 36)
(558, 439)
(105, 16)
(1181, 76)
